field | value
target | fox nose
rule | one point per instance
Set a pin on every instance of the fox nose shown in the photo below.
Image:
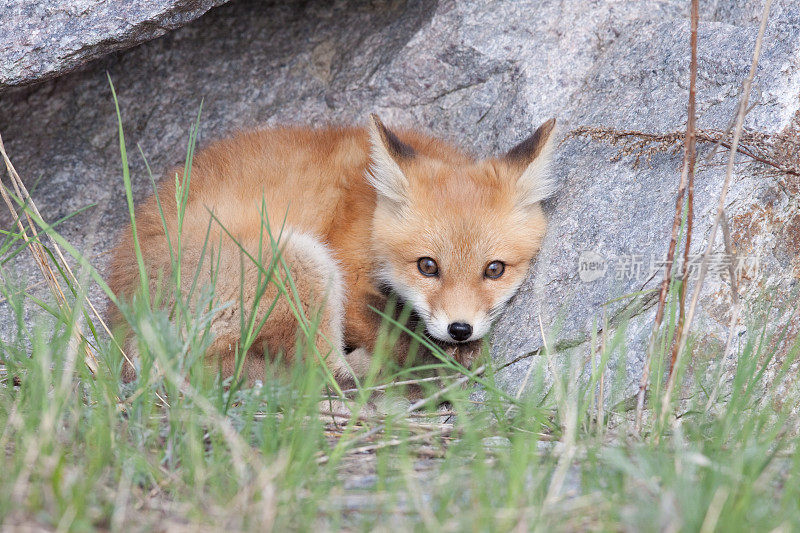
(460, 331)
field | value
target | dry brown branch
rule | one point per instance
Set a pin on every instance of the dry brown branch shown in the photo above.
(780, 152)
(687, 174)
(689, 161)
(737, 134)
(24, 291)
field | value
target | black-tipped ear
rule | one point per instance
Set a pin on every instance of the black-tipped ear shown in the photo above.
(394, 146)
(531, 159)
(387, 150)
(529, 149)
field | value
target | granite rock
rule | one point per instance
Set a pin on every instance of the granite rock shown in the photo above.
(41, 40)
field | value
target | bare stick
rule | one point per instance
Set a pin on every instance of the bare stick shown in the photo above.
(689, 160)
(688, 163)
(737, 133)
(362, 418)
(23, 194)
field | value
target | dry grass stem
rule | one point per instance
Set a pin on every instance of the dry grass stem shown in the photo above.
(567, 405)
(601, 395)
(689, 162)
(39, 255)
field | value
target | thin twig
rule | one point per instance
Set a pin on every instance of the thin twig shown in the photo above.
(688, 166)
(362, 418)
(690, 159)
(728, 346)
(726, 238)
(522, 385)
(734, 311)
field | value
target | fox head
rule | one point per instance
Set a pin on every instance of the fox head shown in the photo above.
(454, 236)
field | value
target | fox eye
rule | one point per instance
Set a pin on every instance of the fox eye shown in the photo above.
(494, 269)
(427, 267)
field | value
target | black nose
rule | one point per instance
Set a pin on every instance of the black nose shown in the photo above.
(460, 331)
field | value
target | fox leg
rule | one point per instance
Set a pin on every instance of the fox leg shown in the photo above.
(312, 311)
(310, 303)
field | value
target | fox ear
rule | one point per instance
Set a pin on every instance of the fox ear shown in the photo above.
(531, 158)
(387, 150)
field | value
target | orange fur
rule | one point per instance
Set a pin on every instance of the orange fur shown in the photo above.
(442, 204)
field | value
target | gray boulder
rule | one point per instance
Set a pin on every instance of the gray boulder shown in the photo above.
(483, 74)
(42, 40)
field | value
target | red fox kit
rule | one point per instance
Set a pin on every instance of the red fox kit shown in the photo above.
(367, 212)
